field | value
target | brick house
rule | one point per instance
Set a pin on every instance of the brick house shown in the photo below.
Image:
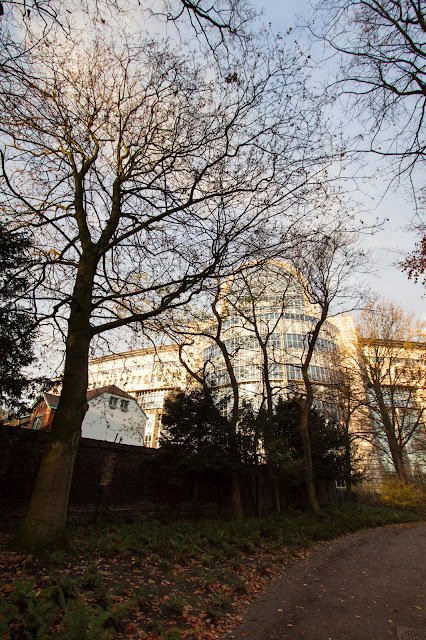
(43, 412)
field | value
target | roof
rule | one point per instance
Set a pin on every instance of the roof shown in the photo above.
(52, 399)
(111, 388)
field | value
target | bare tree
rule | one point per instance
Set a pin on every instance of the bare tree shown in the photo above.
(219, 27)
(328, 265)
(345, 397)
(195, 334)
(139, 174)
(256, 300)
(241, 354)
(390, 362)
(254, 354)
(383, 71)
(380, 49)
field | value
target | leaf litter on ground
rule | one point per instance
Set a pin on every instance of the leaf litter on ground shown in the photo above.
(157, 580)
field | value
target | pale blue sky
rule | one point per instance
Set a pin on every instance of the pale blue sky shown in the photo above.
(389, 244)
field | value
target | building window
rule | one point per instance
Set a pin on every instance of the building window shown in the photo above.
(152, 398)
(124, 405)
(37, 422)
(113, 402)
(293, 372)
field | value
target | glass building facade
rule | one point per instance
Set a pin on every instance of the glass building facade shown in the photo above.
(266, 319)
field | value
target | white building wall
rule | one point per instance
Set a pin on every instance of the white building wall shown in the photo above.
(103, 422)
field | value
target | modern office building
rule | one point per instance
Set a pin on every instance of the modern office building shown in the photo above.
(265, 318)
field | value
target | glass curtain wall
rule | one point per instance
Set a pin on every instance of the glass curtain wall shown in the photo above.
(266, 322)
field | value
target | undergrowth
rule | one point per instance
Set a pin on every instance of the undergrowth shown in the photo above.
(180, 573)
(216, 539)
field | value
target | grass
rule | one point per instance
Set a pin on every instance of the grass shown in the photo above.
(154, 579)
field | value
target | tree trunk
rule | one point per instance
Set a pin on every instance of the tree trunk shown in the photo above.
(348, 490)
(237, 507)
(195, 494)
(258, 495)
(348, 472)
(399, 464)
(306, 405)
(277, 502)
(46, 517)
(389, 429)
(307, 456)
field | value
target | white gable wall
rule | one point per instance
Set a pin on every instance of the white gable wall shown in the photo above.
(103, 422)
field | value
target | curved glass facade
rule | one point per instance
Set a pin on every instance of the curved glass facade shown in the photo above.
(266, 323)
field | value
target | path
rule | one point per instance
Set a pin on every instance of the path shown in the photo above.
(367, 586)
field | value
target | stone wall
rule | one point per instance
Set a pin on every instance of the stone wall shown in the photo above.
(116, 480)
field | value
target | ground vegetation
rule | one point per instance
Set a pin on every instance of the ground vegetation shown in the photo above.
(155, 580)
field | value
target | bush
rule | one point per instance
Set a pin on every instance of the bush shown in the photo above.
(403, 496)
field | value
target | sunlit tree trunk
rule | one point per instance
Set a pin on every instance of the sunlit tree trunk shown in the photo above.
(196, 494)
(348, 466)
(46, 517)
(306, 405)
(237, 506)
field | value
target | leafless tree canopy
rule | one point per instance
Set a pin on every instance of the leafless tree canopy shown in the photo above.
(24, 24)
(140, 173)
(151, 160)
(244, 342)
(383, 69)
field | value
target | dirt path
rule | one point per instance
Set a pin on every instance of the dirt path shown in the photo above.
(367, 586)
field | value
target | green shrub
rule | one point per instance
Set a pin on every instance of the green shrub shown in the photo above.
(240, 586)
(30, 610)
(92, 579)
(403, 496)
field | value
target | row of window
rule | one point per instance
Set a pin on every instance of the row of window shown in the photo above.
(276, 370)
(113, 403)
(315, 373)
(152, 399)
(292, 301)
(298, 341)
(303, 322)
(245, 348)
(134, 369)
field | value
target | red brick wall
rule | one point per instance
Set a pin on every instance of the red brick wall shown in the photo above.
(113, 480)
